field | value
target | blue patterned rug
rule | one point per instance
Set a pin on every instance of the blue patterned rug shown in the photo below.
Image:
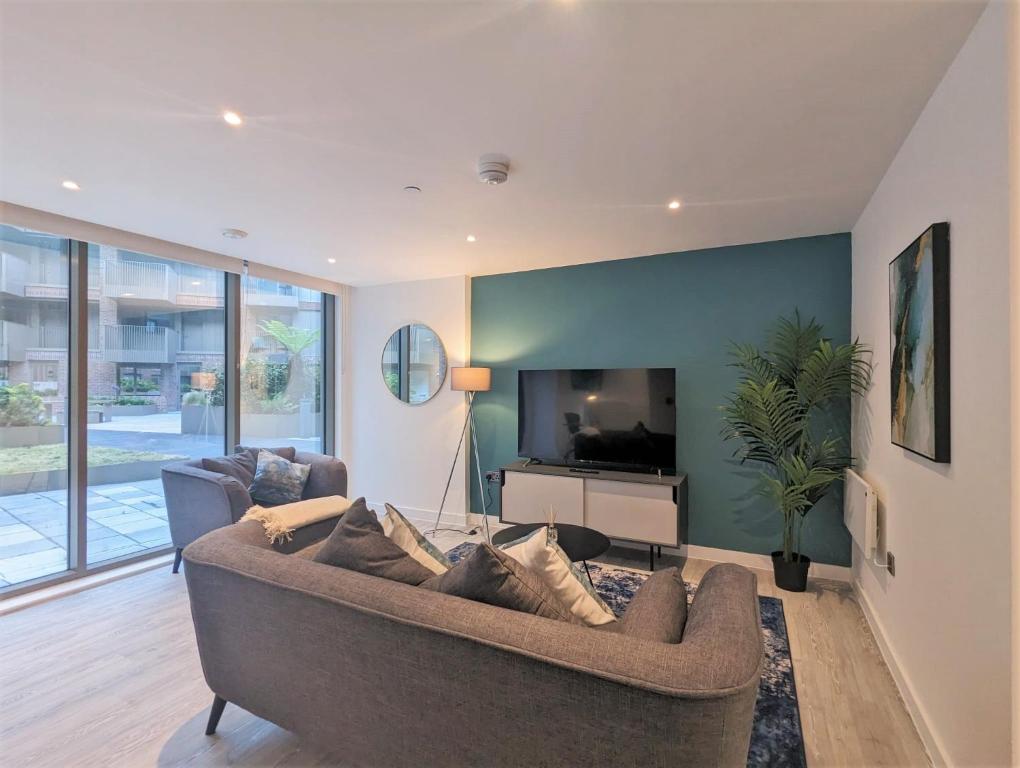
(776, 737)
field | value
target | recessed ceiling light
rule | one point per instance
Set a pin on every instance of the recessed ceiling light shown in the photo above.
(72, 185)
(331, 260)
(235, 234)
(126, 295)
(196, 282)
(471, 238)
(232, 118)
(412, 188)
(674, 205)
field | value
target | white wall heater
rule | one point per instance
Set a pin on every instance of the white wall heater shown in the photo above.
(860, 513)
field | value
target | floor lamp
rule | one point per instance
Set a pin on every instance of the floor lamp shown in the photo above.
(470, 381)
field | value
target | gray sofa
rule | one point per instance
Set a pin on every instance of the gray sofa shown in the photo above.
(199, 500)
(384, 673)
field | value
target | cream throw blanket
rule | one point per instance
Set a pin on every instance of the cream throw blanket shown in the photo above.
(280, 522)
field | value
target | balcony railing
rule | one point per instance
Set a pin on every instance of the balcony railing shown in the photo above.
(139, 344)
(141, 280)
(259, 292)
(13, 274)
(13, 341)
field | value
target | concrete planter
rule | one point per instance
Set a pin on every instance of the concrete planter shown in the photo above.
(22, 437)
(55, 479)
(192, 415)
(133, 410)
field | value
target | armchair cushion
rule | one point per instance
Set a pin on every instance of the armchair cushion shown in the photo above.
(240, 465)
(286, 451)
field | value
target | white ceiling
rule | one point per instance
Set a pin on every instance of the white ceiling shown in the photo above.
(769, 120)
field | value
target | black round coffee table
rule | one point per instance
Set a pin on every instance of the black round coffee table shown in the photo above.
(581, 544)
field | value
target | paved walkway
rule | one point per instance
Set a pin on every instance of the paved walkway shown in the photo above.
(122, 519)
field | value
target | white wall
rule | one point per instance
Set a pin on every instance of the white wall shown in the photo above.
(399, 453)
(944, 619)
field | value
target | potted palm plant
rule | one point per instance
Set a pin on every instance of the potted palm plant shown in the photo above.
(781, 412)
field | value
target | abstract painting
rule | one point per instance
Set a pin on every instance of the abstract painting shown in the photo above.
(919, 370)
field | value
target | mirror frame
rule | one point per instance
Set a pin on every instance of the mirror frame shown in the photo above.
(446, 357)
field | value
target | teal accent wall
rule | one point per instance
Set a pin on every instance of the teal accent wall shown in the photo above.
(676, 310)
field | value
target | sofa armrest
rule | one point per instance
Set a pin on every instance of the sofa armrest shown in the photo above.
(199, 501)
(658, 610)
(328, 475)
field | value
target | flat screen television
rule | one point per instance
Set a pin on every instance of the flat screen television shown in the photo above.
(608, 418)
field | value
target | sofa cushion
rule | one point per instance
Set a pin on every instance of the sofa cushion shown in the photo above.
(359, 544)
(240, 466)
(490, 576)
(571, 587)
(658, 610)
(277, 480)
(402, 532)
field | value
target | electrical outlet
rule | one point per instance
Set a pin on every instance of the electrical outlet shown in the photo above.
(890, 558)
(492, 476)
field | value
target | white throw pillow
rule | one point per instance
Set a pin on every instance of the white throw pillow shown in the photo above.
(402, 533)
(548, 560)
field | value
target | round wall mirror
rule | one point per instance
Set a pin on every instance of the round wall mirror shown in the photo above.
(414, 363)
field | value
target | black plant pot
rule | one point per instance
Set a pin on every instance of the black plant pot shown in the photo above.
(791, 576)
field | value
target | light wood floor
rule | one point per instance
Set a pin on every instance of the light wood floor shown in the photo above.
(111, 677)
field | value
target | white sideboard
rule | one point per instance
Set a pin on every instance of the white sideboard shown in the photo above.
(623, 505)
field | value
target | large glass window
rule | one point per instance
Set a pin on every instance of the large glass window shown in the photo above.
(33, 401)
(153, 397)
(152, 370)
(281, 365)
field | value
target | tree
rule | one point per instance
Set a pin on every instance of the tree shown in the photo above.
(295, 340)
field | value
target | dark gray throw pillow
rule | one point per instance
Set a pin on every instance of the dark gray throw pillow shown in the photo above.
(491, 576)
(658, 610)
(359, 544)
(240, 466)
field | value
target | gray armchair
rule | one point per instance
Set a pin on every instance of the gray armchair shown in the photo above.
(205, 494)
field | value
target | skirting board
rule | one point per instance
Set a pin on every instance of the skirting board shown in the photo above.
(65, 588)
(928, 738)
(427, 517)
(746, 559)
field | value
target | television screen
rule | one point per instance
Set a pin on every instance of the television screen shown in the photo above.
(613, 418)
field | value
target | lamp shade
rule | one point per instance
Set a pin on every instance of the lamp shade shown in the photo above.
(471, 379)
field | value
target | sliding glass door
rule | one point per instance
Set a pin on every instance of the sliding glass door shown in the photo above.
(34, 523)
(155, 390)
(91, 411)
(282, 352)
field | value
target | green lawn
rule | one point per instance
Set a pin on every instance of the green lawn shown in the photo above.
(40, 458)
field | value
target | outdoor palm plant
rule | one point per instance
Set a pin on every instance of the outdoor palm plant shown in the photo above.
(781, 412)
(295, 340)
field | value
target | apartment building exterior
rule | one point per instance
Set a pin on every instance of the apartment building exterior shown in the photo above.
(152, 323)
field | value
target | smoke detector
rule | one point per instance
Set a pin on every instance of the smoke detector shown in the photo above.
(493, 169)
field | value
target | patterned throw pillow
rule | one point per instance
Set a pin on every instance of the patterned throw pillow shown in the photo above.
(402, 533)
(548, 560)
(277, 481)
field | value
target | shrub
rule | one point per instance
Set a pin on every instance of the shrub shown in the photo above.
(134, 401)
(195, 397)
(21, 407)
